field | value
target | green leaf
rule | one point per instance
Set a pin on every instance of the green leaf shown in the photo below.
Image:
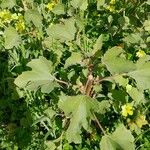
(98, 45)
(63, 32)
(136, 95)
(32, 15)
(81, 4)
(40, 76)
(121, 139)
(100, 3)
(134, 38)
(8, 3)
(116, 62)
(50, 145)
(121, 80)
(147, 25)
(75, 58)
(103, 106)
(141, 75)
(80, 109)
(11, 38)
(108, 144)
(59, 9)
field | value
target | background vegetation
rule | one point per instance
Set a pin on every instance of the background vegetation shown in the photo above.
(74, 74)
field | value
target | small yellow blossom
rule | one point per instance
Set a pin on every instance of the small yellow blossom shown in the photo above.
(50, 6)
(127, 110)
(137, 124)
(140, 53)
(20, 26)
(111, 8)
(113, 2)
(140, 121)
(5, 16)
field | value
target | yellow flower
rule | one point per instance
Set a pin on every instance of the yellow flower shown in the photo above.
(127, 110)
(113, 2)
(5, 16)
(140, 121)
(20, 26)
(50, 6)
(140, 53)
(111, 8)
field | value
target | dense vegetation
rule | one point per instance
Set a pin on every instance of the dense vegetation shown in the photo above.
(74, 74)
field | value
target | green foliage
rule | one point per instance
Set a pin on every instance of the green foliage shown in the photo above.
(40, 76)
(81, 109)
(74, 74)
(11, 38)
(120, 139)
(63, 32)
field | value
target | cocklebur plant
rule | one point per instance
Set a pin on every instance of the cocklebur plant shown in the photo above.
(88, 64)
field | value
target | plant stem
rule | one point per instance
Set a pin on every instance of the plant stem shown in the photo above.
(63, 82)
(98, 123)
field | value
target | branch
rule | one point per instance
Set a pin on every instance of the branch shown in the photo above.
(109, 78)
(89, 85)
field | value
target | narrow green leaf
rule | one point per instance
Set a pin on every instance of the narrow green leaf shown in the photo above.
(98, 45)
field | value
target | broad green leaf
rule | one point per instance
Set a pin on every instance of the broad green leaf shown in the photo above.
(50, 145)
(115, 61)
(8, 3)
(136, 95)
(100, 3)
(81, 4)
(98, 45)
(133, 38)
(75, 58)
(148, 2)
(11, 38)
(147, 25)
(141, 75)
(121, 139)
(80, 110)
(39, 77)
(121, 80)
(32, 15)
(64, 31)
(107, 143)
(59, 9)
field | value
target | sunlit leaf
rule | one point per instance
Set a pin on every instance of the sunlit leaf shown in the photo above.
(116, 141)
(80, 109)
(11, 38)
(81, 4)
(39, 77)
(116, 63)
(64, 31)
